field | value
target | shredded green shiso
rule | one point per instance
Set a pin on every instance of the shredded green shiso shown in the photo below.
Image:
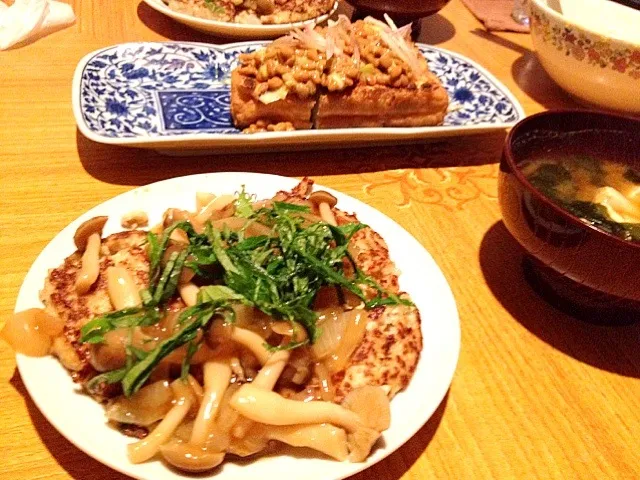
(279, 274)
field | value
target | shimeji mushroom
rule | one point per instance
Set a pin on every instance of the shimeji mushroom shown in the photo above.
(248, 339)
(272, 369)
(266, 379)
(196, 454)
(86, 229)
(363, 425)
(87, 239)
(325, 202)
(144, 449)
(217, 375)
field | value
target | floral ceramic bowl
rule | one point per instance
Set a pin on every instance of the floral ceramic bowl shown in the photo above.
(591, 48)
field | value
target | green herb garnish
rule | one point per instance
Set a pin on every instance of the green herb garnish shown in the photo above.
(214, 7)
(279, 274)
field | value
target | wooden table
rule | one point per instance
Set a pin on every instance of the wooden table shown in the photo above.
(537, 395)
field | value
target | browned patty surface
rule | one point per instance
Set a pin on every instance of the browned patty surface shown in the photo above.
(124, 249)
(387, 356)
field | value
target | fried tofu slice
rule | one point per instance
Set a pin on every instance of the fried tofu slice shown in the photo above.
(247, 110)
(381, 106)
(362, 74)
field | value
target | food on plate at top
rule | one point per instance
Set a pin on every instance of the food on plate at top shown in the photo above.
(255, 12)
(233, 328)
(362, 74)
(601, 192)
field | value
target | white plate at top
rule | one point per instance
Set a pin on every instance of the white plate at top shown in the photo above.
(235, 30)
(63, 405)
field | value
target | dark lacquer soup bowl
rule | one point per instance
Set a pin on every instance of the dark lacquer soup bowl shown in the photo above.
(399, 9)
(583, 263)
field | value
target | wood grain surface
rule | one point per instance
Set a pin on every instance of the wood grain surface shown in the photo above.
(537, 394)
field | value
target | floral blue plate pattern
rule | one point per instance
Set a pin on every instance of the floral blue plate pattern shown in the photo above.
(175, 95)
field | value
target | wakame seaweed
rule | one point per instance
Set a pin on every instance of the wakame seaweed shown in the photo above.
(575, 182)
(597, 215)
(548, 176)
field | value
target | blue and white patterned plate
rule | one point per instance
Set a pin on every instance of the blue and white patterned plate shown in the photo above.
(175, 96)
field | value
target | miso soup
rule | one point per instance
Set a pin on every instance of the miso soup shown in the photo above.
(602, 193)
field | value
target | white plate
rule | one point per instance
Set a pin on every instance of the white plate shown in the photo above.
(235, 30)
(81, 420)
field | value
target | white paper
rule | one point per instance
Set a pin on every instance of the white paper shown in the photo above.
(30, 19)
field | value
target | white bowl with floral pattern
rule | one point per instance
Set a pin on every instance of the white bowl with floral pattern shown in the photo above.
(591, 48)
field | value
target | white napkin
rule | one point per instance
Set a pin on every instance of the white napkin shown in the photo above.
(29, 19)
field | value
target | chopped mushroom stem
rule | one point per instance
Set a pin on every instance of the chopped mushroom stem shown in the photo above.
(90, 265)
(236, 368)
(216, 380)
(327, 214)
(272, 369)
(216, 209)
(195, 386)
(203, 199)
(146, 448)
(189, 293)
(134, 219)
(251, 341)
(360, 443)
(123, 291)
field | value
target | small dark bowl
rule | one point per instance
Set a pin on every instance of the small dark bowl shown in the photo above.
(585, 272)
(401, 11)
